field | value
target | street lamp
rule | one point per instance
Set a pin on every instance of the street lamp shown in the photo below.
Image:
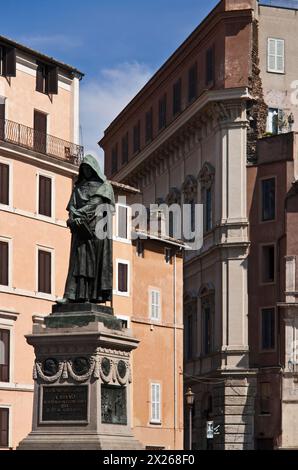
(190, 398)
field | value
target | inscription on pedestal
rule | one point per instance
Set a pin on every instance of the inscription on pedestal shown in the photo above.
(113, 404)
(64, 403)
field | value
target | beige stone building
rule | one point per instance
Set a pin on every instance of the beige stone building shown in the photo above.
(191, 132)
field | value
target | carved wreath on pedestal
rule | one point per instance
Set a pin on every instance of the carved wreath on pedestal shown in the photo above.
(81, 369)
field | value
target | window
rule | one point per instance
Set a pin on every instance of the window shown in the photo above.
(276, 121)
(122, 226)
(4, 263)
(154, 304)
(7, 61)
(122, 277)
(210, 66)
(47, 78)
(4, 355)
(44, 271)
(4, 427)
(268, 328)
(45, 196)
(168, 255)
(268, 199)
(40, 132)
(207, 330)
(137, 137)
(177, 97)
(192, 82)
(162, 112)
(125, 149)
(2, 118)
(265, 396)
(115, 159)
(4, 184)
(155, 403)
(268, 263)
(189, 337)
(276, 55)
(208, 209)
(149, 125)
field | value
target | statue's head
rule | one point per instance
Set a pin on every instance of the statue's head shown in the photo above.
(90, 169)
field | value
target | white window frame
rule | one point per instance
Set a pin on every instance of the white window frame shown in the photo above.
(155, 420)
(9, 163)
(53, 195)
(9, 407)
(152, 290)
(125, 318)
(128, 223)
(8, 240)
(43, 295)
(6, 324)
(275, 70)
(117, 292)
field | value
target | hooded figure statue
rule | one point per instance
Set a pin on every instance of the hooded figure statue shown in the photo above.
(90, 272)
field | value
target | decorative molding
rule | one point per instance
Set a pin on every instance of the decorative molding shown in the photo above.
(174, 196)
(190, 188)
(206, 175)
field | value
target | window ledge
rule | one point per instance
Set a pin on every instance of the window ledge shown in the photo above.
(155, 423)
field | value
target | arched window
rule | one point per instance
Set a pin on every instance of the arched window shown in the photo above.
(189, 188)
(206, 178)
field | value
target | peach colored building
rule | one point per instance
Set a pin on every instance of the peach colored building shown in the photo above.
(39, 153)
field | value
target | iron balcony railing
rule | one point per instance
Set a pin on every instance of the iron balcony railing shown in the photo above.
(32, 139)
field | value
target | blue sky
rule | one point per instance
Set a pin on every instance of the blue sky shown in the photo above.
(118, 44)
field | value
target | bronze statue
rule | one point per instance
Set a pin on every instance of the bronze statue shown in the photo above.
(90, 272)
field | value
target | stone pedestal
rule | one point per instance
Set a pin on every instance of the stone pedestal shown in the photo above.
(82, 379)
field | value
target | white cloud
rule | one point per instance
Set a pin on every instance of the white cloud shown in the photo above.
(103, 98)
(60, 41)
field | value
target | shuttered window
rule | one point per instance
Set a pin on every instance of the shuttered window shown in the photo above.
(4, 263)
(4, 355)
(125, 149)
(122, 221)
(115, 159)
(7, 61)
(4, 427)
(45, 196)
(4, 184)
(210, 66)
(137, 137)
(276, 55)
(47, 79)
(177, 97)
(155, 403)
(44, 271)
(162, 112)
(155, 304)
(149, 125)
(192, 82)
(122, 277)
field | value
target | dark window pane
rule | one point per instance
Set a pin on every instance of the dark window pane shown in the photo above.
(122, 277)
(4, 184)
(4, 263)
(208, 209)
(265, 395)
(115, 159)
(162, 112)
(268, 199)
(189, 337)
(44, 272)
(4, 355)
(206, 330)
(122, 222)
(149, 125)
(192, 82)
(268, 328)
(268, 263)
(52, 80)
(137, 137)
(4, 427)
(210, 65)
(177, 97)
(125, 149)
(45, 196)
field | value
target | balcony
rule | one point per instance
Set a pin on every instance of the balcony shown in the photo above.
(46, 144)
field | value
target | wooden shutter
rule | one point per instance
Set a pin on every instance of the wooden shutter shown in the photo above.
(2, 121)
(40, 131)
(4, 262)
(44, 272)
(122, 277)
(9, 62)
(4, 355)
(40, 72)
(4, 184)
(45, 196)
(52, 80)
(4, 427)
